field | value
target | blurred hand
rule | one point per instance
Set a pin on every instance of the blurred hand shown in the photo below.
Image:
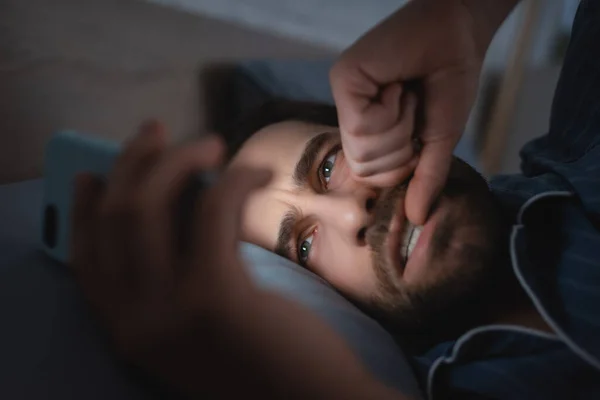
(158, 303)
(436, 43)
(191, 317)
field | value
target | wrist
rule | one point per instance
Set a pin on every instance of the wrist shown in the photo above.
(485, 18)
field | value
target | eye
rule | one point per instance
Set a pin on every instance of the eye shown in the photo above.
(304, 249)
(326, 168)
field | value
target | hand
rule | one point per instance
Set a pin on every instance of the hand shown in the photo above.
(439, 43)
(193, 319)
(162, 307)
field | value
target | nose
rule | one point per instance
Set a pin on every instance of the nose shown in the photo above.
(348, 213)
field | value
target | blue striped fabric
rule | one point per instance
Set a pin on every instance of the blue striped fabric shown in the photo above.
(555, 249)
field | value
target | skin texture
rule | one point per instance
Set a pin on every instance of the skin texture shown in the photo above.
(347, 224)
(191, 317)
(176, 314)
(436, 46)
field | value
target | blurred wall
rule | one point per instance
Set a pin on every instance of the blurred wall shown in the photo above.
(103, 66)
(338, 23)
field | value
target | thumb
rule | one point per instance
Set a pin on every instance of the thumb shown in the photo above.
(428, 180)
(380, 114)
(221, 209)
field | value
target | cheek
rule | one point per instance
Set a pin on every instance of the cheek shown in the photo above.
(346, 267)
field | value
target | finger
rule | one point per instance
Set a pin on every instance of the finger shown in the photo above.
(218, 220)
(158, 196)
(365, 149)
(381, 113)
(385, 163)
(391, 97)
(429, 179)
(449, 97)
(118, 206)
(87, 194)
(368, 155)
(135, 160)
(408, 113)
(353, 91)
(92, 276)
(364, 106)
(392, 177)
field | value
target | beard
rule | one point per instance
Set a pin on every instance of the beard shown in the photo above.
(466, 282)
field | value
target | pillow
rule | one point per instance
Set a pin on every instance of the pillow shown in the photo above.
(50, 346)
(52, 349)
(372, 344)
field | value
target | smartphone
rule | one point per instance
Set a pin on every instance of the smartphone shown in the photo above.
(66, 155)
(70, 153)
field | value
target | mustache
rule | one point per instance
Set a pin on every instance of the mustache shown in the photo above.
(386, 206)
(383, 214)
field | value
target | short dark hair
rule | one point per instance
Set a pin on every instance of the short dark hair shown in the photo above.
(274, 111)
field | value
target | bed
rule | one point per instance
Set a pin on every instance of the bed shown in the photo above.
(130, 60)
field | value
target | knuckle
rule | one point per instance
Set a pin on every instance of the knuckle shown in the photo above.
(387, 178)
(403, 130)
(361, 171)
(401, 156)
(364, 152)
(356, 127)
(333, 74)
(397, 175)
(362, 157)
(339, 70)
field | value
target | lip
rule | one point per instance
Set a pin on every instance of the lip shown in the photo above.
(396, 229)
(419, 253)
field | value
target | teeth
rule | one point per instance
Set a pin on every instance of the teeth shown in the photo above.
(413, 239)
(409, 241)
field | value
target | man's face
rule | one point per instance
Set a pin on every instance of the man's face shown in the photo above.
(357, 237)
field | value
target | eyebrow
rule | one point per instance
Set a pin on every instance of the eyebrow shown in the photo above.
(309, 157)
(286, 231)
(300, 177)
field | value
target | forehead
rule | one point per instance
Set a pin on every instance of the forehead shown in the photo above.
(279, 141)
(277, 147)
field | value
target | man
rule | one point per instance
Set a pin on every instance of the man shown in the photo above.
(420, 280)
(503, 280)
